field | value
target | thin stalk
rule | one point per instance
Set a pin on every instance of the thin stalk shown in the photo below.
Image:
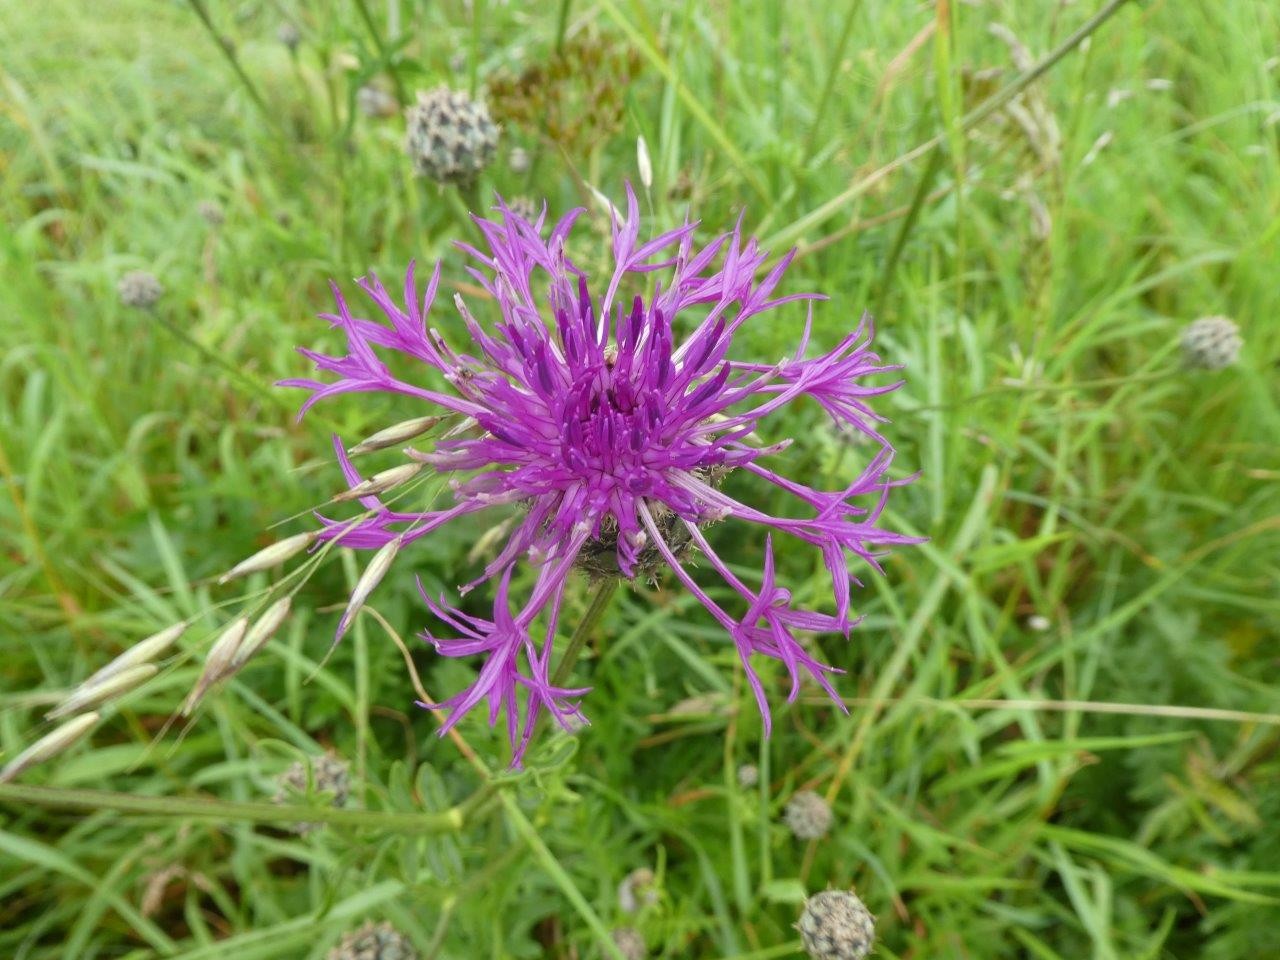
(236, 374)
(383, 54)
(562, 24)
(449, 821)
(828, 88)
(908, 223)
(231, 58)
(788, 235)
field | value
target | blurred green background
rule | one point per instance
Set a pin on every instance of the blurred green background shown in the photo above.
(1024, 771)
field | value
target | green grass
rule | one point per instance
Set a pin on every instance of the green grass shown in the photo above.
(1032, 273)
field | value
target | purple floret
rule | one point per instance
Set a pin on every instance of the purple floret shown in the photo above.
(609, 436)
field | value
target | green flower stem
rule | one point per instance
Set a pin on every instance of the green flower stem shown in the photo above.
(448, 821)
(586, 626)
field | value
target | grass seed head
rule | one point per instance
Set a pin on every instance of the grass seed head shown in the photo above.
(271, 556)
(91, 695)
(141, 652)
(380, 482)
(219, 663)
(394, 435)
(49, 746)
(262, 631)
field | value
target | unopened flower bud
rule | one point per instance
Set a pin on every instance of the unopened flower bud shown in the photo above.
(1211, 343)
(836, 925)
(808, 816)
(139, 289)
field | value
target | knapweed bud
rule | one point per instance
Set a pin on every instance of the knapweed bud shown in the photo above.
(451, 137)
(524, 208)
(328, 775)
(836, 925)
(139, 289)
(218, 663)
(271, 556)
(518, 160)
(90, 695)
(210, 213)
(748, 775)
(629, 943)
(262, 631)
(373, 101)
(636, 890)
(808, 816)
(1211, 343)
(50, 745)
(289, 35)
(374, 941)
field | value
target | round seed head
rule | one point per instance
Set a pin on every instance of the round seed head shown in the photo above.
(1211, 343)
(328, 775)
(836, 925)
(524, 208)
(518, 160)
(748, 775)
(451, 137)
(808, 816)
(139, 289)
(376, 102)
(374, 941)
(629, 943)
(210, 213)
(289, 35)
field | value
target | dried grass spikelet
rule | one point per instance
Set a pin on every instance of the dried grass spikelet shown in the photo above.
(380, 482)
(92, 695)
(395, 435)
(50, 745)
(143, 651)
(263, 629)
(369, 580)
(271, 556)
(219, 662)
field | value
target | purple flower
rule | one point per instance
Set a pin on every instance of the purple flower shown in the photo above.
(608, 435)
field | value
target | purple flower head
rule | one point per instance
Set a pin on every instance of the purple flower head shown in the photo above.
(607, 435)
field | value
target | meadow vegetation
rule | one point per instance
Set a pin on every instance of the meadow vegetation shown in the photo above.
(1064, 729)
